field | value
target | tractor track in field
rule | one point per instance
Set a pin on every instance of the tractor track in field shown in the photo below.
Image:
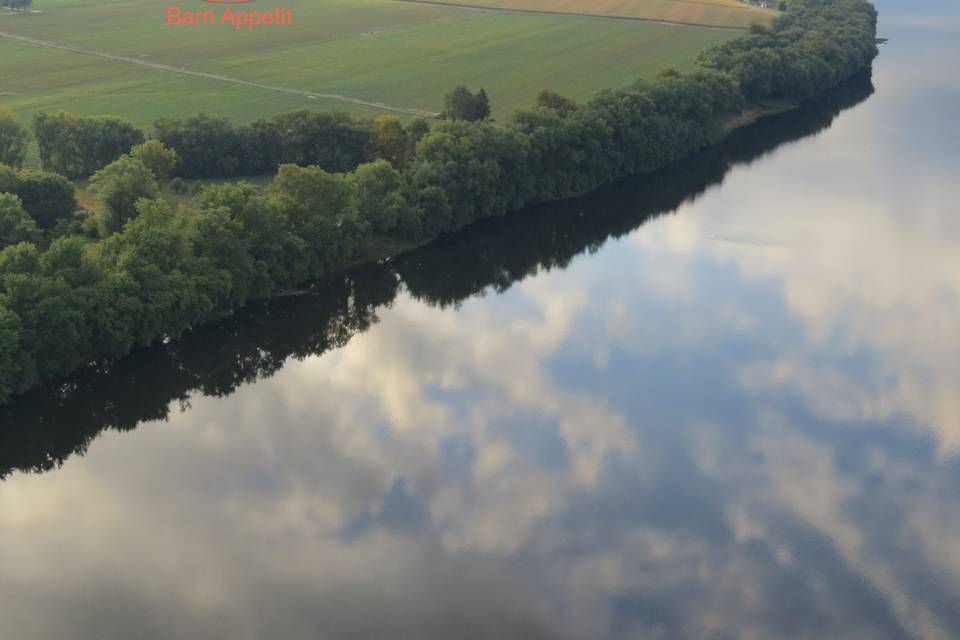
(569, 14)
(213, 76)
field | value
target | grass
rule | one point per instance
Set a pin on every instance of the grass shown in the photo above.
(398, 53)
(716, 13)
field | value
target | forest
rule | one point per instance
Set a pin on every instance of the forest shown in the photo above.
(83, 287)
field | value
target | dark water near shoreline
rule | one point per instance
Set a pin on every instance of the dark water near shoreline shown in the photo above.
(719, 401)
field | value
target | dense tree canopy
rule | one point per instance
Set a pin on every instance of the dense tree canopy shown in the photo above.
(13, 140)
(813, 46)
(157, 158)
(78, 147)
(553, 101)
(120, 186)
(16, 225)
(212, 147)
(47, 197)
(393, 142)
(462, 104)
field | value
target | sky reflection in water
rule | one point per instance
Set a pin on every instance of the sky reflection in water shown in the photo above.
(740, 420)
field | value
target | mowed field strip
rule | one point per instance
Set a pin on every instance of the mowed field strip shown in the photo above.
(212, 76)
(119, 57)
(720, 14)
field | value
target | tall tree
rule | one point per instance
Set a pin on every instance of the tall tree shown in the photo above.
(157, 158)
(15, 225)
(47, 197)
(120, 185)
(463, 104)
(380, 198)
(8, 179)
(13, 140)
(547, 99)
(59, 150)
(79, 147)
(391, 140)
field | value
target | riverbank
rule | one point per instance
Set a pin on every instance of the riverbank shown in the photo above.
(220, 356)
(155, 273)
(386, 248)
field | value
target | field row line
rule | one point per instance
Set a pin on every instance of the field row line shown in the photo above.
(214, 76)
(570, 14)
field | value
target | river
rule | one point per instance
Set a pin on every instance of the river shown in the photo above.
(717, 401)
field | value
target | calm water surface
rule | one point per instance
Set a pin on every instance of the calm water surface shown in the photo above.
(716, 402)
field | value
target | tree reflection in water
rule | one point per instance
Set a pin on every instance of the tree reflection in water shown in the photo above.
(44, 427)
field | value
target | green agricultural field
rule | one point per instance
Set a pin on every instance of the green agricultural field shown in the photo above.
(397, 54)
(732, 14)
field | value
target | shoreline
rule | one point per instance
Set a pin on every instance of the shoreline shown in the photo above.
(740, 121)
(305, 322)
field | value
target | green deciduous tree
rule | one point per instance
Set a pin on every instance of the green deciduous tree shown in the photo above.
(211, 147)
(391, 140)
(380, 197)
(462, 104)
(48, 197)
(59, 150)
(16, 225)
(155, 156)
(78, 147)
(547, 99)
(207, 146)
(322, 210)
(8, 179)
(13, 140)
(119, 186)
(17, 370)
(19, 258)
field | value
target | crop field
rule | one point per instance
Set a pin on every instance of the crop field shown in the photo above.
(718, 13)
(119, 57)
